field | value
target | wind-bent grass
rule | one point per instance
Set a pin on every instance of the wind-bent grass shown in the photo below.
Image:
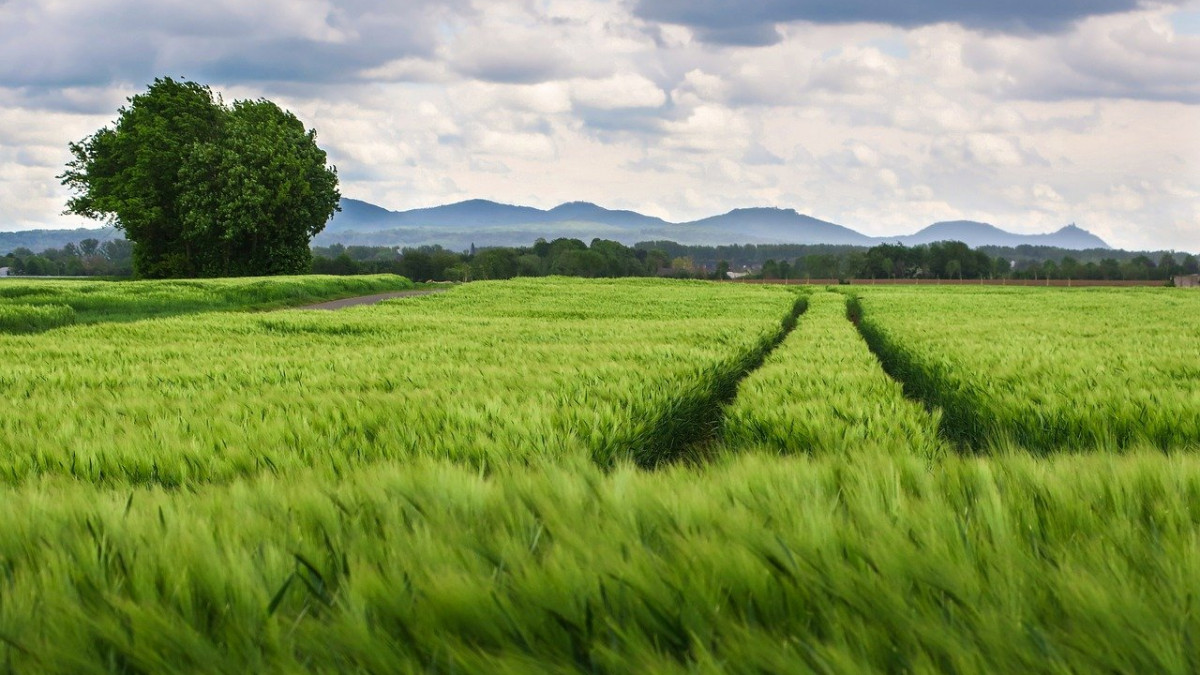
(759, 564)
(34, 318)
(490, 373)
(455, 483)
(1046, 369)
(823, 392)
(99, 301)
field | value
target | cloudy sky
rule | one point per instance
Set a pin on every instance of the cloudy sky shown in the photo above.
(880, 115)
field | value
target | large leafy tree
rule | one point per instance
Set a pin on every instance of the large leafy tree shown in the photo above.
(205, 189)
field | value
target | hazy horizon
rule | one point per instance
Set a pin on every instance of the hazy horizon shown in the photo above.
(1028, 117)
(669, 219)
(96, 225)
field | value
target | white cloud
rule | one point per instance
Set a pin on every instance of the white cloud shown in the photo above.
(514, 144)
(1137, 55)
(1047, 196)
(708, 128)
(982, 149)
(624, 90)
(409, 69)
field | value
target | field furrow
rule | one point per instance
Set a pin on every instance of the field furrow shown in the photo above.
(823, 392)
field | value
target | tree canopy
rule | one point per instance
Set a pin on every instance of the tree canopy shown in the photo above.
(202, 188)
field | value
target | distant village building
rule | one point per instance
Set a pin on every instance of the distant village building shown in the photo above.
(3, 271)
(738, 275)
(1188, 280)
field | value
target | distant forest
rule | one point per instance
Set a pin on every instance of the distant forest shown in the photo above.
(603, 258)
(88, 258)
(944, 260)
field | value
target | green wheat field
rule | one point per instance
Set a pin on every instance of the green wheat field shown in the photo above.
(598, 476)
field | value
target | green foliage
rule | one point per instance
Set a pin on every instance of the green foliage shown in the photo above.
(561, 257)
(202, 189)
(255, 198)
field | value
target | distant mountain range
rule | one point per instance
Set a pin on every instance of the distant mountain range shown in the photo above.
(485, 223)
(976, 234)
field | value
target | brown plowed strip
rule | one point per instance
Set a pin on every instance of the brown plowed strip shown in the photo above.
(367, 299)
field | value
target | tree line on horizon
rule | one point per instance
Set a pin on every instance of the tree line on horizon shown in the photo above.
(604, 258)
(87, 258)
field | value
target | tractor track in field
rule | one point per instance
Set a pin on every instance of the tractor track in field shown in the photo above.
(699, 446)
(921, 386)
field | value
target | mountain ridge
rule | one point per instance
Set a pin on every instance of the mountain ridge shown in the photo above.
(482, 222)
(488, 223)
(975, 234)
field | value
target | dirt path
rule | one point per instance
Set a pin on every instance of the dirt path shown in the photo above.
(368, 299)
